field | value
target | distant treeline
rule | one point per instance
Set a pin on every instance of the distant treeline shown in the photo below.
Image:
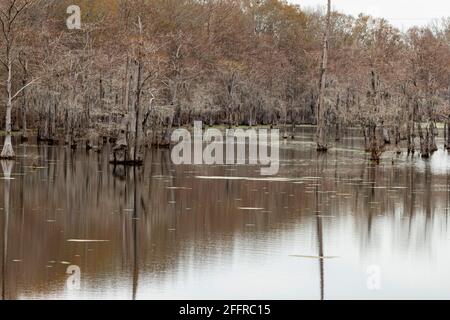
(137, 68)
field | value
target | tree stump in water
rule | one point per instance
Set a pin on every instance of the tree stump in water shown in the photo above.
(8, 151)
(124, 153)
(94, 142)
(119, 152)
(322, 148)
(386, 136)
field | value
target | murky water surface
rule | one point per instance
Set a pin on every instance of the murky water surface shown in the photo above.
(323, 228)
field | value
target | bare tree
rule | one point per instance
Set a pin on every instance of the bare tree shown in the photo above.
(10, 10)
(322, 144)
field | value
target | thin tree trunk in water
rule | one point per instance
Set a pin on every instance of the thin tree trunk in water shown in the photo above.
(8, 152)
(366, 139)
(24, 110)
(424, 142)
(375, 148)
(16, 126)
(285, 134)
(137, 157)
(376, 133)
(432, 129)
(127, 86)
(167, 134)
(448, 134)
(411, 130)
(421, 138)
(397, 140)
(386, 135)
(445, 136)
(137, 128)
(293, 118)
(337, 126)
(66, 126)
(47, 120)
(54, 111)
(322, 145)
(128, 148)
(428, 140)
(447, 125)
(51, 138)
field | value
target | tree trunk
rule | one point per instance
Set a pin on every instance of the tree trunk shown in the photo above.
(24, 136)
(366, 132)
(433, 134)
(322, 145)
(8, 151)
(137, 128)
(128, 150)
(447, 130)
(337, 123)
(424, 142)
(375, 147)
(386, 136)
(16, 126)
(411, 131)
(397, 140)
(293, 118)
(445, 136)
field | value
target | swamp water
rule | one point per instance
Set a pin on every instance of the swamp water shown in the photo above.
(322, 228)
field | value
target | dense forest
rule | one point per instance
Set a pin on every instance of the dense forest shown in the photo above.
(136, 69)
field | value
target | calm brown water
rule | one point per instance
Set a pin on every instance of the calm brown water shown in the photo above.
(223, 232)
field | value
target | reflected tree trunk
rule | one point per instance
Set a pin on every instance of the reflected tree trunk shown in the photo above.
(7, 167)
(319, 228)
(136, 216)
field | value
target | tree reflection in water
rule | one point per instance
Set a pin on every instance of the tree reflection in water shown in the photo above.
(171, 234)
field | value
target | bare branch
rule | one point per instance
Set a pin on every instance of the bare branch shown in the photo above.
(24, 87)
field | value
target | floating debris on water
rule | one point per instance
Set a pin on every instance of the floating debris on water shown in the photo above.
(275, 179)
(313, 257)
(86, 240)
